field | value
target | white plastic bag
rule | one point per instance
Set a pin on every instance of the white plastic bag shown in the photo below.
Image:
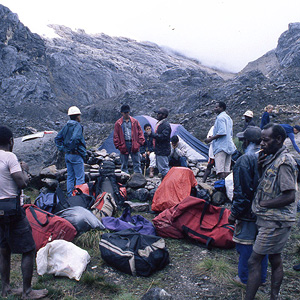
(62, 258)
(229, 186)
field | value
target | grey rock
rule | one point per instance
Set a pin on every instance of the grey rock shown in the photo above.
(38, 153)
(138, 206)
(50, 183)
(156, 294)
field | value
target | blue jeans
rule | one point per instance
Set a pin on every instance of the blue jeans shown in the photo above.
(136, 160)
(245, 253)
(75, 169)
(162, 163)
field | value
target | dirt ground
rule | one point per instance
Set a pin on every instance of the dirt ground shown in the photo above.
(193, 273)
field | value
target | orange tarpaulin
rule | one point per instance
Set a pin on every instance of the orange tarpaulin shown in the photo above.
(175, 187)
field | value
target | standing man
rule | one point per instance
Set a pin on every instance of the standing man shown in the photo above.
(275, 208)
(128, 137)
(162, 147)
(223, 146)
(71, 141)
(245, 179)
(15, 230)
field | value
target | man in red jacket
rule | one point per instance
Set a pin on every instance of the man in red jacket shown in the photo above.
(128, 137)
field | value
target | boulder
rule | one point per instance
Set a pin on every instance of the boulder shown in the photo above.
(156, 294)
(38, 153)
(136, 181)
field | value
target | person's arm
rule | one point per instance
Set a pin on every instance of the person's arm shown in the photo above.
(21, 178)
(215, 137)
(292, 138)
(286, 198)
(59, 140)
(219, 131)
(164, 135)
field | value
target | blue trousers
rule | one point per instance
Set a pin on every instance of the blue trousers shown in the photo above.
(162, 163)
(245, 253)
(75, 169)
(136, 160)
(180, 162)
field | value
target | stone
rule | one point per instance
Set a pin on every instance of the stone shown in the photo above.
(50, 183)
(206, 186)
(136, 181)
(138, 206)
(50, 172)
(195, 171)
(156, 294)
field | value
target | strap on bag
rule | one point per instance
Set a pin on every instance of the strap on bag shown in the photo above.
(32, 210)
(206, 205)
(186, 230)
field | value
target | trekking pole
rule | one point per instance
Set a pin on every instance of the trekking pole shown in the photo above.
(145, 170)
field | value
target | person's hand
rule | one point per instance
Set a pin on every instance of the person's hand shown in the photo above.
(144, 154)
(208, 140)
(231, 219)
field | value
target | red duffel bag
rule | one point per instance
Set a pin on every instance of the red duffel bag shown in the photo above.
(47, 227)
(198, 220)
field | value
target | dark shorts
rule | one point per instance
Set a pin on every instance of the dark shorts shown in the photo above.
(271, 240)
(16, 234)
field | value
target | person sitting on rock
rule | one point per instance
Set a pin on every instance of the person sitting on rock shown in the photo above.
(178, 156)
(290, 132)
(147, 150)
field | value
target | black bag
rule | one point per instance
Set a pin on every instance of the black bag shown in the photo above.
(10, 206)
(81, 199)
(134, 253)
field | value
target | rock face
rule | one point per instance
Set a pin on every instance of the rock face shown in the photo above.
(40, 78)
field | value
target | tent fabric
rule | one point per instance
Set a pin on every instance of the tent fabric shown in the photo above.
(197, 150)
(175, 187)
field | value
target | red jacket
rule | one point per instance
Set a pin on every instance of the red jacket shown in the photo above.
(137, 136)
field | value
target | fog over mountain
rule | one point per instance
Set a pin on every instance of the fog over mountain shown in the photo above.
(40, 78)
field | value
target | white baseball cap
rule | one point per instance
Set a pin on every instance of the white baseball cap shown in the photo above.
(249, 113)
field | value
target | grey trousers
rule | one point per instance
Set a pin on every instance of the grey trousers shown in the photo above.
(162, 163)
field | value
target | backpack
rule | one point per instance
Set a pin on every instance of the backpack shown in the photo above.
(198, 221)
(47, 227)
(51, 202)
(104, 206)
(134, 253)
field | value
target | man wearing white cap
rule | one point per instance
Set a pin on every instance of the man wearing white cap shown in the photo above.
(71, 141)
(248, 115)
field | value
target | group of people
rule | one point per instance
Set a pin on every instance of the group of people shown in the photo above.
(157, 147)
(263, 208)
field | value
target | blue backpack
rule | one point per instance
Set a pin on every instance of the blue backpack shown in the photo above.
(47, 201)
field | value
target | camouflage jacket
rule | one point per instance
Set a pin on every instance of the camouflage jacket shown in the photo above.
(269, 188)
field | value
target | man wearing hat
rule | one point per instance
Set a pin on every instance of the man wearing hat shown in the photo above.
(70, 140)
(128, 137)
(161, 136)
(245, 179)
(290, 132)
(248, 115)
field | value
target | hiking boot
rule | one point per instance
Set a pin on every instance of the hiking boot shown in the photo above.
(151, 174)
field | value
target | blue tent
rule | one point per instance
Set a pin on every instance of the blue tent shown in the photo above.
(197, 149)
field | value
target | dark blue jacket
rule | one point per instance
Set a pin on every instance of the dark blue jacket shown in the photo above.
(245, 179)
(265, 119)
(290, 133)
(162, 139)
(70, 139)
(148, 145)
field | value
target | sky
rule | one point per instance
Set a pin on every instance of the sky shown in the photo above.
(223, 34)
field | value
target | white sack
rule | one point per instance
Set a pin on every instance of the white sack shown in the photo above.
(229, 186)
(62, 258)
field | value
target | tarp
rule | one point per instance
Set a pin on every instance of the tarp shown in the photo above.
(175, 187)
(197, 149)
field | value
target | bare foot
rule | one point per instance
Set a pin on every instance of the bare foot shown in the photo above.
(35, 294)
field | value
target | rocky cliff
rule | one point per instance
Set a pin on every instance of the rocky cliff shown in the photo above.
(40, 78)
